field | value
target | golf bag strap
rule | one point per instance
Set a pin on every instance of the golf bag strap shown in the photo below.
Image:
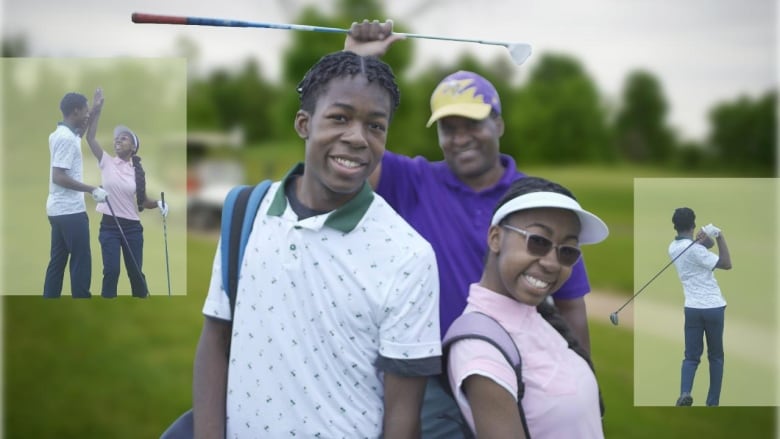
(476, 325)
(238, 214)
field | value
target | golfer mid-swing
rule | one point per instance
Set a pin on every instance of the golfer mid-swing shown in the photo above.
(704, 304)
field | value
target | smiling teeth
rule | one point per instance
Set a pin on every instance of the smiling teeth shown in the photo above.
(536, 282)
(346, 163)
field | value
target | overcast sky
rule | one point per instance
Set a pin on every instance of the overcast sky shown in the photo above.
(704, 51)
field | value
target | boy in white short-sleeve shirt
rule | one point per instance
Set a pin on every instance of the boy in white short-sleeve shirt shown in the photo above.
(336, 325)
(65, 207)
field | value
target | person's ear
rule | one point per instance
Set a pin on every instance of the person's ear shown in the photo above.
(302, 119)
(494, 239)
(500, 125)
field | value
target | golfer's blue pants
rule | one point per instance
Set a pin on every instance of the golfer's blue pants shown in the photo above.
(69, 238)
(701, 323)
(111, 243)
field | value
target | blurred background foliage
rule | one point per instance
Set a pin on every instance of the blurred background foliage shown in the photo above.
(558, 114)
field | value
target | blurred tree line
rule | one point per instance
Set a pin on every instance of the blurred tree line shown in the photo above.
(558, 114)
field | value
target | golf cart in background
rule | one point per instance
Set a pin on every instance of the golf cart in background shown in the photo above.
(213, 168)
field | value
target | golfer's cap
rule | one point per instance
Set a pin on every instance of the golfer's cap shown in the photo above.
(123, 129)
(592, 228)
(464, 94)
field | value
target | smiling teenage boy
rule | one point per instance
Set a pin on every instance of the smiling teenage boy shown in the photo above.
(336, 326)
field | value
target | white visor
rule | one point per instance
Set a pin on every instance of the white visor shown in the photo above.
(123, 129)
(592, 228)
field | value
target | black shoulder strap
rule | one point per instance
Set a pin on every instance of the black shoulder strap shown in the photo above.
(476, 325)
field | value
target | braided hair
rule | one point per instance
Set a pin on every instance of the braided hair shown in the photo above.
(140, 182)
(341, 64)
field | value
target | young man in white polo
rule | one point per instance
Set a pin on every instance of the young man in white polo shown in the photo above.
(336, 327)
(705, 306)
(65, 204)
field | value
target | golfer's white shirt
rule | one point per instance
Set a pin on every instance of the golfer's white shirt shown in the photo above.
(316, 307)
(65, 149)
(695, 269)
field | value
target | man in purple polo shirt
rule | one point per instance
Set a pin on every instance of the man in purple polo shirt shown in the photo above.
(450, 202)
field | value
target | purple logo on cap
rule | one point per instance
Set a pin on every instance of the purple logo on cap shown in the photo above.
(465, 94)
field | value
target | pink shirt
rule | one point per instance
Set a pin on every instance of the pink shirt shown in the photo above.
(118, 179)
(561, 394)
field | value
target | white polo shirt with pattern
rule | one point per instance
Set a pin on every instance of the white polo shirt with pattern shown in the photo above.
(65, 153)
(324, 307)
(695, 270)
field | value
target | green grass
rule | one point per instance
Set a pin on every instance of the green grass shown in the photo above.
(125, 371)
(612, 351)
(100, 369)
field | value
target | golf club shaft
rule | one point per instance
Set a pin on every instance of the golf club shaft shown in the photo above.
(138, 17)
(165, 238)
(127, 245)
(657, 274)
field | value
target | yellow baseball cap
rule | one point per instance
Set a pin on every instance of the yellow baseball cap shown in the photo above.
(464, 94)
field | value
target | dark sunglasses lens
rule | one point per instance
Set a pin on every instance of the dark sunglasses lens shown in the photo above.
(538, 245)
(568, 255)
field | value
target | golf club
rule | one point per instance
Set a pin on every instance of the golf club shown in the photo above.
(518, 51)
(127, 245)
(614, 316)
(165, 238)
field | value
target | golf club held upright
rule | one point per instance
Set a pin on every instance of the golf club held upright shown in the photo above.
(518, 51)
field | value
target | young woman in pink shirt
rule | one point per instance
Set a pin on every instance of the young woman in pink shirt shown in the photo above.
(124, 179)
(533, 242)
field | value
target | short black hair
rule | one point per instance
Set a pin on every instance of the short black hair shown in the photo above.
(529, 184)
(345, 63)
(683, 219)
(72, 101)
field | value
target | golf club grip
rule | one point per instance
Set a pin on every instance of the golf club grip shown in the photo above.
(195, 21)
(138, 17)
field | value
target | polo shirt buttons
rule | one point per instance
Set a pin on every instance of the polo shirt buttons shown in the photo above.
(292, 247)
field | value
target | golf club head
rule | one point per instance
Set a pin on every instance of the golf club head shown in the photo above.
(519, 52)
(613, 318)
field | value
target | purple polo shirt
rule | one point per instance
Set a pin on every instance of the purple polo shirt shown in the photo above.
(455, 220)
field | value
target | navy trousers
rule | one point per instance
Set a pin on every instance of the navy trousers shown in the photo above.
(111, 243)
(701, 323)
(69, 239)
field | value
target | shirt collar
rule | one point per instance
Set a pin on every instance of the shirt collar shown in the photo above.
(512, 314)
(510, 175)
(73, 130)
(343, 219)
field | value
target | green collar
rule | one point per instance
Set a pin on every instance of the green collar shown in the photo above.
(343, 219)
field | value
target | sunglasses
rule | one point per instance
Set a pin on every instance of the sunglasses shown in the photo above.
(540, 246)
